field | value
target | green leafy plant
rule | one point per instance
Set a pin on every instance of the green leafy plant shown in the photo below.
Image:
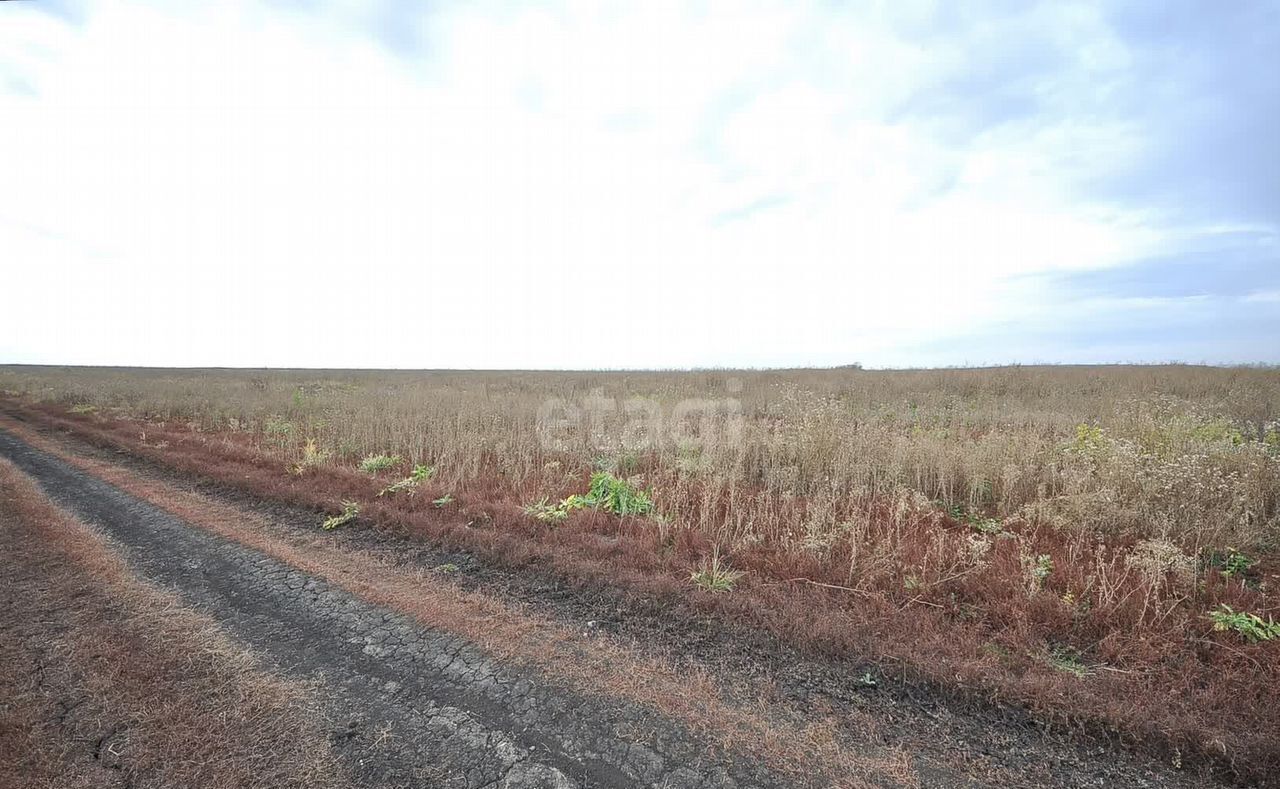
(406, 484)
(576, 502)
(1251, 627)
(410, 483)
(607, 493)
(423, 473)
(372, 464)
(1089, 438)
(547, 512)
(618, 496)
(1231, 563)
(714, 575)
(350, 510)
(444, 500)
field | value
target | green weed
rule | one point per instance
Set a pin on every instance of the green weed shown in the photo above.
(372, 464)
(1231, 563)
(1089, 438)
(690, 459)
(1251, 627)
(615, 495)
(996, 651)
(423, 473)
(410, 483)
(547, 512)
(406, 484)
(576, 502)
(607, 493)
(350, 510)
(715, 576)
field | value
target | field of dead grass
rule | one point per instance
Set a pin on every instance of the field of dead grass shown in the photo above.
(1180, 453)
(1057, 537)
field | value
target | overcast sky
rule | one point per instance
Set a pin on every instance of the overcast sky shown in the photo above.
(638, 184)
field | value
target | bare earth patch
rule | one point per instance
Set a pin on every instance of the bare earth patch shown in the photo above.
(110, 682)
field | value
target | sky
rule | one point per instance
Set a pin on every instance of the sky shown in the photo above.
(337, 183)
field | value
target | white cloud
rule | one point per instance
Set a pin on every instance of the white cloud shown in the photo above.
(232, 184)
(1263, 297)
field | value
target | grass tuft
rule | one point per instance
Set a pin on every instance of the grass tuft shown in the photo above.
(312, 457)
(373, 464)
(715, 576)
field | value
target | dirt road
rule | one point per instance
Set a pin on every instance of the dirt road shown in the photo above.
(410, 704)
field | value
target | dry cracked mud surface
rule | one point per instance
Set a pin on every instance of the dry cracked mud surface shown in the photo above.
(409, 705)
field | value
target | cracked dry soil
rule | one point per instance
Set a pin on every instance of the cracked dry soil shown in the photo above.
(410, 706)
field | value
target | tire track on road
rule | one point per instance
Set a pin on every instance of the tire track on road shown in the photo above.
(419, 705)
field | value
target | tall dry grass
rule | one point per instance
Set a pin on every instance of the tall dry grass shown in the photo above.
(1182, 453)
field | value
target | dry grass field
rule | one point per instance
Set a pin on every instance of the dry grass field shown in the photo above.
(1178, 453)
(1099, 544)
